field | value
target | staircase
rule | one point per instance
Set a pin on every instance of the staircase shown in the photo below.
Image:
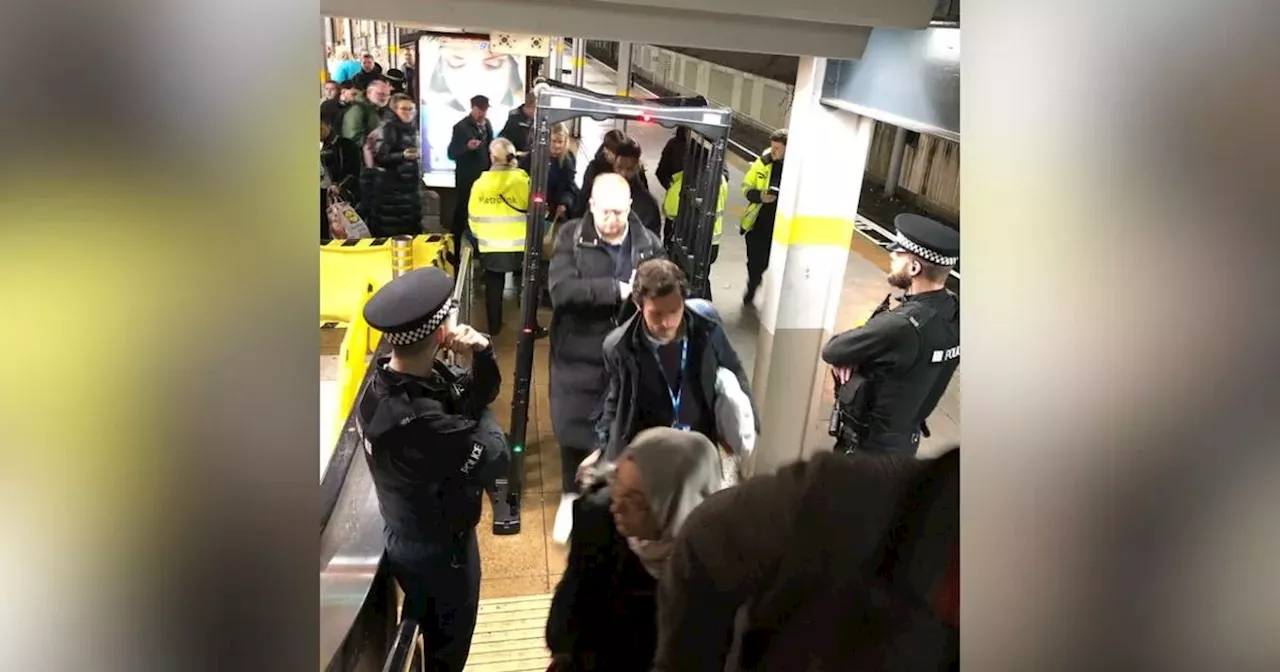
(510, 635)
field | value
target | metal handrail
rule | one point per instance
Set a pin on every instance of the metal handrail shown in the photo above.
(463, 295)
(406, 649)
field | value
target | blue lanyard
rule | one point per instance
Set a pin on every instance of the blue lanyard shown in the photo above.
(679, 392)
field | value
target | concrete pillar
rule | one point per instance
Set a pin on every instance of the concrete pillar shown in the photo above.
(624, 78)
(895, 162)
(579, 76)
(624, 68)
(557, 60)
(393, 46)
(346, 35)
(324, 57)
(826, 155)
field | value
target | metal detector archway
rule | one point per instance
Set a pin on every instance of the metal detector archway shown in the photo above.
(690, 246)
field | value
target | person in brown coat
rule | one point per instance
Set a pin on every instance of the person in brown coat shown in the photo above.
(842, 563)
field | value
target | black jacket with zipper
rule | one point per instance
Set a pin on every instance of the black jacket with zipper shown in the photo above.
(586, 306)
(604, 614)
(709, 350)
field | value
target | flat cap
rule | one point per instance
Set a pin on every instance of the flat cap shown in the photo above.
(411, 307)
(928, 239)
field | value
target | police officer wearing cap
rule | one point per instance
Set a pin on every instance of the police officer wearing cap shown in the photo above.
(891, 371)
(432, 447)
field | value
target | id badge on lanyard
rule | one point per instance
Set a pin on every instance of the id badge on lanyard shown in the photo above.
(679, 389)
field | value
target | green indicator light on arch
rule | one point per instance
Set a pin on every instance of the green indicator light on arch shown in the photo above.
(517, 449)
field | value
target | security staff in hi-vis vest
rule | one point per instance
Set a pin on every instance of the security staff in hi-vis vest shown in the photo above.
(497, 214)
(760, 187)
(671, 207)
(891, 371)
(433, 446)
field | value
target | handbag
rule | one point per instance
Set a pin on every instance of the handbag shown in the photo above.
(345, 223)
(549, 237)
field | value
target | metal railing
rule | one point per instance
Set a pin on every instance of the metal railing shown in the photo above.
(407, 651)
(464, 296)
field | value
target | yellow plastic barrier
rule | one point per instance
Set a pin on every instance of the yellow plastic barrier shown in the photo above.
(353, 355)
(348, 267)
(350, 273)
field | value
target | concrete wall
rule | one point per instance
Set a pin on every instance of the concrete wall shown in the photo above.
(759, 105)
(930, 170)
(931, 166)
(778, 67)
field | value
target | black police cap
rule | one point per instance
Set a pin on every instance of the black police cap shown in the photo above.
(928, 239)
(411, 307)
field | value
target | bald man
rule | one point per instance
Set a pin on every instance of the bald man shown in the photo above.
(590, 280)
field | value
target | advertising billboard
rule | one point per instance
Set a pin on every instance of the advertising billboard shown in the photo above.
(450, 71)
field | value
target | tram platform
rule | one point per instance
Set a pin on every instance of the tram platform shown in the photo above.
(521, 571)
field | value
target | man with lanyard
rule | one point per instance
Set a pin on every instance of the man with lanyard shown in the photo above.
(432, 446)
(662, 363)
(891, 371)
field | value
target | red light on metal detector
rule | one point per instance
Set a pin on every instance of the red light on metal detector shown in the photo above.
(644, 116)
(538, 198)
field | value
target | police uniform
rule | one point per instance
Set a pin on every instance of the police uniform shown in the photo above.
(432, 447)
(903, 356)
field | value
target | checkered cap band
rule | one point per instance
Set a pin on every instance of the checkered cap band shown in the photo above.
(924, 252)
(418, 333)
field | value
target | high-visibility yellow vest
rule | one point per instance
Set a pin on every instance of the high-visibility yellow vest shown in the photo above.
(671, 204)
(757, 178)
(497, 210)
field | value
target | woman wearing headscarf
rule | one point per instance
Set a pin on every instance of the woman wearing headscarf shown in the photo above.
(604, 613)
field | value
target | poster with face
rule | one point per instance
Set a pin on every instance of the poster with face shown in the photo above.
(450, 71)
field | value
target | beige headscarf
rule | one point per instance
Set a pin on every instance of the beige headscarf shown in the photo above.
(679, 470)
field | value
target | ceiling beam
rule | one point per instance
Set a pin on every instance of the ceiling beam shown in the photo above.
(615, 21)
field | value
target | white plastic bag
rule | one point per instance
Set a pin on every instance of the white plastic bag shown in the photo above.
(345, 223)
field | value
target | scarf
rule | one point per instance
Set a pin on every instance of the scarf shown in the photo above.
(679, 470)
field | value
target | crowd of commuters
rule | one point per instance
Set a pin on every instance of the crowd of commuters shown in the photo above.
(369, 148)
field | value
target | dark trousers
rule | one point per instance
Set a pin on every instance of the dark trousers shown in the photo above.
(759, 245)
(441, 584)
(570, 458)
(494, 283)
(459, 227)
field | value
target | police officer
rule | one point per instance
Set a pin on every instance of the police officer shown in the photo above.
(432, 446)
(891, 371)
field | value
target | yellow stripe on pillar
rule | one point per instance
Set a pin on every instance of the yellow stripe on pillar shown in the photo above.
(813, 230)
(324, 75)
(579, 62)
